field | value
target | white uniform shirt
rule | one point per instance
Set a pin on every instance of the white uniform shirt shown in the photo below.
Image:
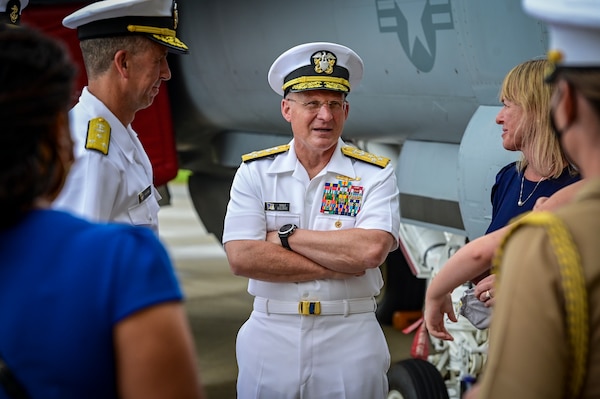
(113, 187)
(269, 192)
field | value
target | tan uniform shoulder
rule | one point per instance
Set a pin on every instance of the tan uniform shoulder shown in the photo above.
(254, 155)
(359, 154)
(98, 135)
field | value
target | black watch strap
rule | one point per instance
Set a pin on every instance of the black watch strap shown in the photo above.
(284, 242)
(284, 232)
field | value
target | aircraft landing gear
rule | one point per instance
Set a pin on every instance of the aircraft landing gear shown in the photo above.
(416, 379)
(403, 292)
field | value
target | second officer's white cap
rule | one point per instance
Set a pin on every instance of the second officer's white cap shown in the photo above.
(155, 19)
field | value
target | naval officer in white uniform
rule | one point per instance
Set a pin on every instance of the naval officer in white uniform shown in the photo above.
(124, 45)
(309, 223)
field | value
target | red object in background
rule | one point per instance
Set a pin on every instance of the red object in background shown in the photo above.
(153, 124)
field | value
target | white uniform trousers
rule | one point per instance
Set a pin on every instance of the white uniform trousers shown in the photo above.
(312, 357)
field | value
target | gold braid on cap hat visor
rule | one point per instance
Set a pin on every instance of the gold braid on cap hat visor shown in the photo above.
(152, 30)
(163, 34)
(316, 82)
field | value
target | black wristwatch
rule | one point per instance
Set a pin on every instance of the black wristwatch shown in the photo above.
(284, 232)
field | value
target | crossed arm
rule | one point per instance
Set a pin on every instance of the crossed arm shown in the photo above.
(315, 255)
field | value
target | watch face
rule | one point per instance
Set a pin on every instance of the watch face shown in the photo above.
(286, 228)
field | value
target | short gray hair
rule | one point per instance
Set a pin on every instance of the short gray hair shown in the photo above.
(99, 53)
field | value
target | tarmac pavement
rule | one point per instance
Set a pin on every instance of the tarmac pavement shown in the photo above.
(217, 302)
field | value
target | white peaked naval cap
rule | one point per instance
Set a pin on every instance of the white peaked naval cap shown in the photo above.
(573, 29)
(316, 66)
(155, 19)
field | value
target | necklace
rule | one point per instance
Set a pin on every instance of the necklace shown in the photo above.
(522, 202)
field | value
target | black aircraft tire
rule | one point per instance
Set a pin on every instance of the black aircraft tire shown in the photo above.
(416, 379)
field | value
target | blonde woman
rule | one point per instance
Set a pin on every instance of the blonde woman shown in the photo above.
(541, 171)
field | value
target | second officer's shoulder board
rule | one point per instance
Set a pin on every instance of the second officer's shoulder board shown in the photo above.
(98, 135)
(254, 155)
(364, 156)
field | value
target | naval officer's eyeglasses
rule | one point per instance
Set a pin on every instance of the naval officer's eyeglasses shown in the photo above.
(315, 106)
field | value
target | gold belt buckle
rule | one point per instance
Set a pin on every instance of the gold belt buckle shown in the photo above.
(307, 308)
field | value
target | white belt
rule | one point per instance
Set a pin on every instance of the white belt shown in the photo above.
(314, 308)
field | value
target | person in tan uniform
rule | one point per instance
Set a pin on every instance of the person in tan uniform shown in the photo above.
(545, 334)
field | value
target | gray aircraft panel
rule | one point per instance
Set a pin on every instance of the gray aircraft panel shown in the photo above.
(429, 66)
(423, 80)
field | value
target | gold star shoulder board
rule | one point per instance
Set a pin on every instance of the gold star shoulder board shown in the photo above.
(98, 135)
(356, 153)
(254, 155)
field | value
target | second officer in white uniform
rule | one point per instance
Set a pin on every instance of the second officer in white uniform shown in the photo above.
(309, 223)
(124, 45)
